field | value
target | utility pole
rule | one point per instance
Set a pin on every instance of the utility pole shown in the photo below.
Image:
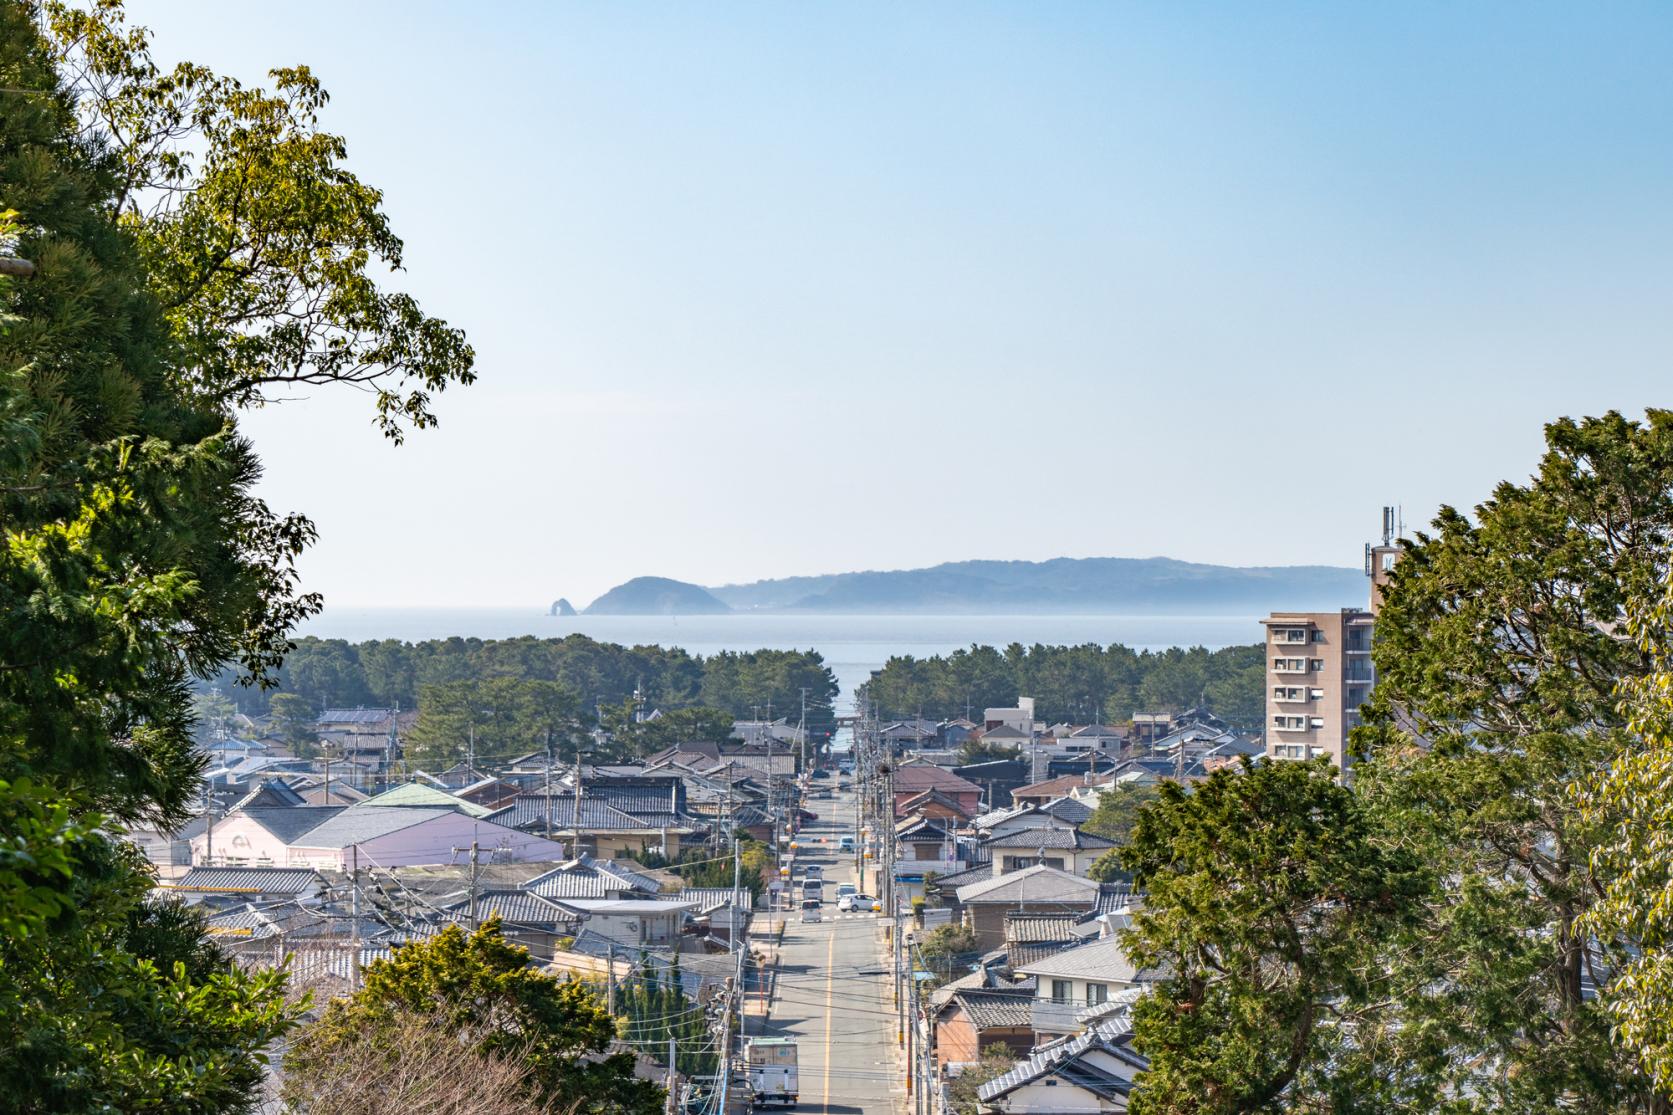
(475, 860)
(354, 885)
(470, 753)
(209, 825)
(611, 981)
(548, 783)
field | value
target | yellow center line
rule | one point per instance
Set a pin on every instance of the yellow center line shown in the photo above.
(830, 978)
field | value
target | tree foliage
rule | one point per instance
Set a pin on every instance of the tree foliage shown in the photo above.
(184, 231)
(1078, 684)
(1268, 898)
(1631, 807)
(333, 673)
(1498, 654)
(497, 718)
(480, 988)
(1116, 814)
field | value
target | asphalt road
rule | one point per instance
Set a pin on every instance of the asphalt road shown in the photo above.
(833, 992)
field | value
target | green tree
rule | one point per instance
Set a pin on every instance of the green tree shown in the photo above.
(500, 718)
(962, 1090)
(137, 558)
(1633, 803)
(1499, 657)
(949, 950)
(480, 988)
(1114, 818)
(296, 721)
(1268, 899)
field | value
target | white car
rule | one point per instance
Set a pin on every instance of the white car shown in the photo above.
(851, 902)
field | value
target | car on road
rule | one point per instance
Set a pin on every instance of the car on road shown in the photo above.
(814, 871)
(857, 903)
(846, 844)
(846, 889)
(811, 910)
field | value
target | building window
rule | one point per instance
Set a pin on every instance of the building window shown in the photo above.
(1317, 665)
(1318, 636)
(1062, 991)
(1096, 993)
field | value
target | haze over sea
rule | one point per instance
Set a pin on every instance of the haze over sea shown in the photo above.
(852, 645)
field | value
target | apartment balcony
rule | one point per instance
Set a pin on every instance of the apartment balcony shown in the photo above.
(1291, 696)
(1292, 725)
(1289, 665)
(1054, 1017)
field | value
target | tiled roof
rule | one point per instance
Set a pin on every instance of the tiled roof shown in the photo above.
(1069, 810)
(709, 899)
(977, 874)
(356, 715)
(1112, 897)
(1066, 1057)
(1102, 959)
(1020, 954)
(531, 812)
(287, 822)
(418, 795)
(1037, 927)
(994, 816)
(1038, 884)
(1050, 838)
(1057, 787)
(518, 907)
(916, 777)
(253, 880)
(590, 878)
(989, 1010)
(358, 824)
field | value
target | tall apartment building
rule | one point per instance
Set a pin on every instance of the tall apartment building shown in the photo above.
(1318, 668)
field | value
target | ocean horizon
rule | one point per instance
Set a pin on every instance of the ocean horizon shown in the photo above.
(852, 645)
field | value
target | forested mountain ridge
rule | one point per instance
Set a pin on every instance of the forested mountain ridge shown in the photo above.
(1061, 585)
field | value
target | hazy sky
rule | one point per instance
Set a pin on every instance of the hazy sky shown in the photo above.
(793, 288)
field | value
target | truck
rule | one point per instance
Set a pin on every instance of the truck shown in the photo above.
(772, 1070)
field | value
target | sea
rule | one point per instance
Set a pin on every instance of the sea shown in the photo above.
(852, 645)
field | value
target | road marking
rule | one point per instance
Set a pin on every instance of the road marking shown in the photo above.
(830, 977)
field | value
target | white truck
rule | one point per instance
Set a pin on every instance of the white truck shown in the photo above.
(772, 1070)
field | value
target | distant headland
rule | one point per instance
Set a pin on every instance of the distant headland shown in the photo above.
(1086, 586)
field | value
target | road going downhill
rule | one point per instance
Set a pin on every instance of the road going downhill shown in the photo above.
(833, 993)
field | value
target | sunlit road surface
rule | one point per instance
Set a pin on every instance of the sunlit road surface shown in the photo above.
(834, 994)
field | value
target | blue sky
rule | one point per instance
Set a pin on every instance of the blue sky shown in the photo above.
(793, 288)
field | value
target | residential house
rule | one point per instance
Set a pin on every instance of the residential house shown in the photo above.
(1051, 789)
(1067, 849)
(935, 805)
(1020, 718)
(257, 836)
(1074, 979)
(1090, 1073)
(972, 1022)
(912, 778)
(531, 920)
(632, 923)
(593, 825)
(1031, 936)
(997, 778)
(383, 836)
(239, 885)
(1040, 889)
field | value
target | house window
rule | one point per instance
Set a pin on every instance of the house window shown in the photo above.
(1317, 665)
(1062, 991)
(1096, 993)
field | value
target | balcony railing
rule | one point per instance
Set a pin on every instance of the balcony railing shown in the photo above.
(1052, 1017)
